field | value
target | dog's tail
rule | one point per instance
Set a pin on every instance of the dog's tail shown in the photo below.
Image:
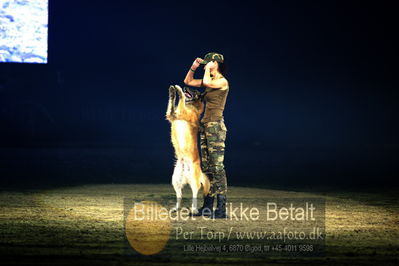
(206, 185)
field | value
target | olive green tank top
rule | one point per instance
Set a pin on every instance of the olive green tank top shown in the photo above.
(215, 100)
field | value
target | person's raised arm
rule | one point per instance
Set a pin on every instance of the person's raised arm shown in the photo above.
(189, 80)
(208, 82)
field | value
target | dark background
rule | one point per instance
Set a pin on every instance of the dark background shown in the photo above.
(312, 102)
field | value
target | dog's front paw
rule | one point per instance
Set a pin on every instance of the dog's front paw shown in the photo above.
(172, 91)
(179, 90)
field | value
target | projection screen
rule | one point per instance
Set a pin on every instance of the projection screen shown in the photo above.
(23, 31)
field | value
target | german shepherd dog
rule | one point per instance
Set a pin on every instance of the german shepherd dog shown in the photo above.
(184, 121)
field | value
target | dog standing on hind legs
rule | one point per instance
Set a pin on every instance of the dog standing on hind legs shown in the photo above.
(184, 121)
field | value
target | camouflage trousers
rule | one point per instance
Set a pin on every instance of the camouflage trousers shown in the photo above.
(212, 138)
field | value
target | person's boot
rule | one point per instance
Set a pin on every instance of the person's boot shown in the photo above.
(220, 211)
(207, 208)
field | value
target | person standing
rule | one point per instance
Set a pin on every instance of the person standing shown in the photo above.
(212, 129)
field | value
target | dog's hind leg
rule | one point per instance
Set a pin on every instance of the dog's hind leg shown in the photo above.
(195, 184)
(177, 182)
(170, 112)
(194, 205)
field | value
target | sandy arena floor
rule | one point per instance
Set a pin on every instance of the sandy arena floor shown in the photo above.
(85, 224)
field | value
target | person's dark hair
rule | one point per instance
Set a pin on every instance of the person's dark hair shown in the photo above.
(222, 68)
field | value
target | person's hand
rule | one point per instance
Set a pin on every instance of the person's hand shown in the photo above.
(196, 63)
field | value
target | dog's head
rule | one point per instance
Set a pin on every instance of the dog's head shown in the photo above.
(193, 96)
